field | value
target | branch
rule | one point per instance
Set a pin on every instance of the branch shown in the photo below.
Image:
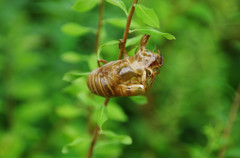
(122, 48)
(122, 41)
(99, 28)
(231, 119)
(96, 134)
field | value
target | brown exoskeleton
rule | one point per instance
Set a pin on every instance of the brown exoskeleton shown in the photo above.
(130, 76)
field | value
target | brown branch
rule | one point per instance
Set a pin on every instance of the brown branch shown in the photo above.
(231, 119)
(99, 28)
(122, 42)
(122, 48)
(95, 134)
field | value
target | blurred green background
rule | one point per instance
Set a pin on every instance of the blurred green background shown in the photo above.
(187, 106)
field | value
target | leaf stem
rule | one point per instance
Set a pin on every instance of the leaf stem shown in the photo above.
(122, 41)
(231, 119)
(94, 139)
(99, 28)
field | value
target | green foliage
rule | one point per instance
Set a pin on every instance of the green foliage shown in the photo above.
(147, 15)
(75, 142)
(74, 29)
(139, 100)
(84, 6)
(116, 113)
(124, 139)
(73, 75)
(152, 31)
(133, 41)
(182, 115)
(73, 57)
(102, 116)
(120, 4)
(103, 45)
(121, 22)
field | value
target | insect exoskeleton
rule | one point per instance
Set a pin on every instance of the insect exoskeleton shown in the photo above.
(127, 77)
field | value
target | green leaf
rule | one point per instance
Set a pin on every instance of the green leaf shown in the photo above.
(133, 51)
(77, 141)
(73, 57)
(92, 61)
(102, 117)
(139, 99)
(120, 4)
(234, 152)
(67, 111)
(133, 41)
(147, 15)
(70, 76)
(84, 5)
(152, 31)
(74, 29)
(121, 23)
(103, 45)
(116, 113)
(124, 139)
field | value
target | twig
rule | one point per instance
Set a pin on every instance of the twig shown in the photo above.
(122, 41)
(99, 28)
(96, 134)
(122, 51)
(231, 119)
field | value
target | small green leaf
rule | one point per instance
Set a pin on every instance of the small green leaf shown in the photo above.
(120, 4)
(67, 111)
(116, 113)
(147, 15)
(84, 5)
(73, 57)
(133, 41)
(74, 29)
(92, 61)
(152, 31)
(103, 45)
(121, 23)
(77, 141)
(133, 51)
(139, 99)
(233, 152)
(70, 76)
(102, 117)
(124, 139)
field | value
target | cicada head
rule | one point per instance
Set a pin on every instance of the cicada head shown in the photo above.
(152, 63)
(150, 59)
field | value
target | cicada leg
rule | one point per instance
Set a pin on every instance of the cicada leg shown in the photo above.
(101, 60)
(131, 90)
(144, 77)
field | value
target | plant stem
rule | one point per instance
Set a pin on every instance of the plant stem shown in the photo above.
(122, 41)
(122, 51)
(231, 119)
(96, 134)
(99, 28)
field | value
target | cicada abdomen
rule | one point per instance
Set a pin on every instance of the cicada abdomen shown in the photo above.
(102, 81)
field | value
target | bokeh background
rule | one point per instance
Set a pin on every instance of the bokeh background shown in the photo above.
(187, 107)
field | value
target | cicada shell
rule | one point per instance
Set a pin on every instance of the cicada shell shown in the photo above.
(130, 76)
